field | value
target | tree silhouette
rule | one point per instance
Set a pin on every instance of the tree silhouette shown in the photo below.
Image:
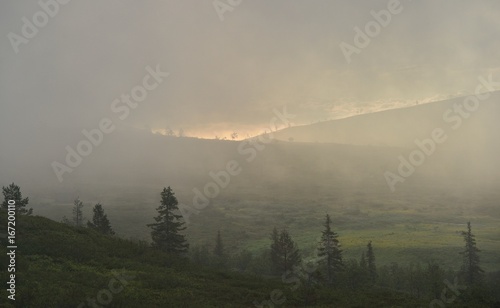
(100, 221)
(329, 251)
(471, 270)
(284, 252)
(13, 192)
(165, 232)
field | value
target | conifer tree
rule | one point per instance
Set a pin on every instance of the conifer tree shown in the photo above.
(13, 192)
(100, 221)
(372, 268)
(284, 252)
(329, 251)
(165, 232)
(471, 270)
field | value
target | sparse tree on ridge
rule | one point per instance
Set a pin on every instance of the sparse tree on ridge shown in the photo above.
(165, 232)
(170, 132)
(13, 192)
(100, 221)
(77, 212)
(329, 251)
(284, 252)
(471, 270)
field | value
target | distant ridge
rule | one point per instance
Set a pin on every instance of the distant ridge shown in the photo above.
(394, 127)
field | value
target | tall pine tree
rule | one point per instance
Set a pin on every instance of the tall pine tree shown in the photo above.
(100, 221)
(284, 252)
(165, 232)
(13, 192)
(329, 252)
(471, 270)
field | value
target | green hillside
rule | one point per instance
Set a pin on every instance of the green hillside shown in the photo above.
(62, 266)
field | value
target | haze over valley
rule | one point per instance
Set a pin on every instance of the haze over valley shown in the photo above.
(247, 153)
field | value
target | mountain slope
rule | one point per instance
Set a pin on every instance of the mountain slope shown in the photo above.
(396, 127)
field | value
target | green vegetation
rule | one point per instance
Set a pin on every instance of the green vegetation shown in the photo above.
(59, 265)
(68, 265)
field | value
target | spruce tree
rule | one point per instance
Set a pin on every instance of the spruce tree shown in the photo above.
(100, 221)
(77, 213)
(329, 252)
(165, 232)
(471, 270)
(372, 268)
(284, 252)
(13, 192)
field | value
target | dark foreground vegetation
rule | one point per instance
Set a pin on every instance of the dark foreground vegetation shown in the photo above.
(64, 266)
(71, 264)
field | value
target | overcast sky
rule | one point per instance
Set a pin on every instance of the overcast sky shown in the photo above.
(229, 75)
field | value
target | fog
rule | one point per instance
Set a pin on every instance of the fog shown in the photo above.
(258, 114)
(228, 75)
(231, 72)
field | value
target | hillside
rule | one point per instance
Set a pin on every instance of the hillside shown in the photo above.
(290, 184)
(62, 266)
(400, 127)
(357, 148)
